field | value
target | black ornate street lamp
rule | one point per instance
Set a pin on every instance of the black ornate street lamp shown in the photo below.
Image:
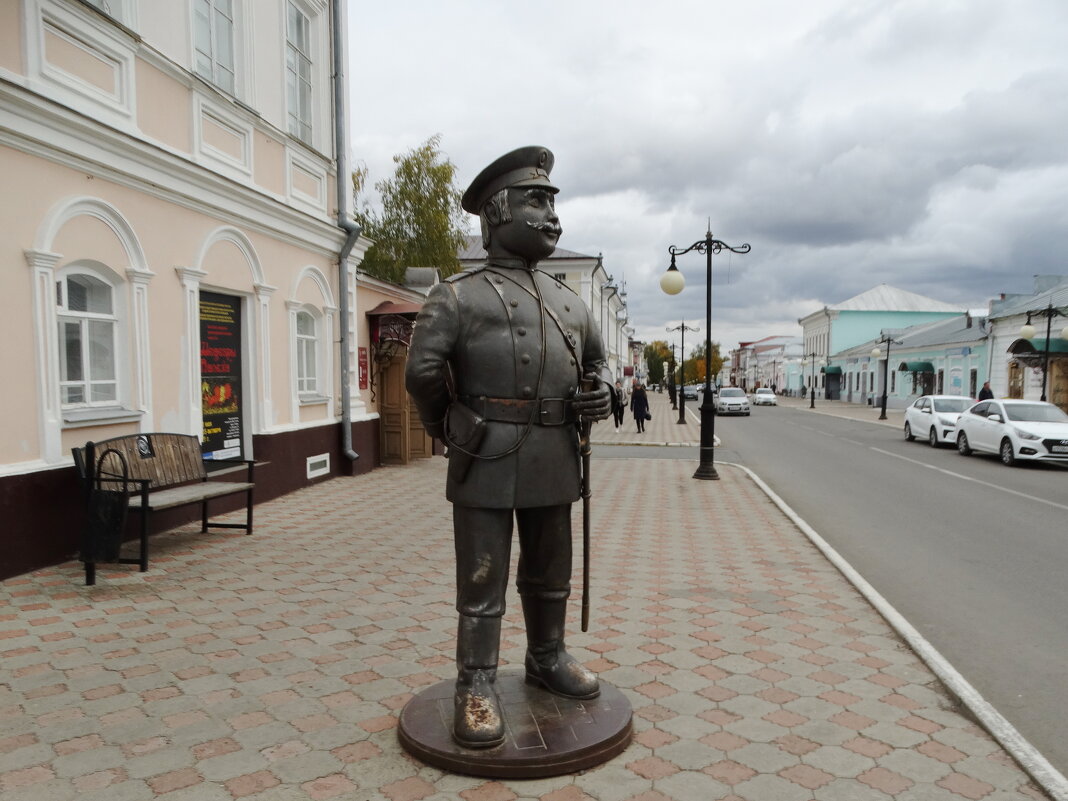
(1027, 331)
(672, 283)
(812, 382)
(888, 341)
(682, 369)
(672, 389)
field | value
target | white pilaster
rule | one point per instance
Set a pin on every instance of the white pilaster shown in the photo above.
(190, 405)
(50, 420)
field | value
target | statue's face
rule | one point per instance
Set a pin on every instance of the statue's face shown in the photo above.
(534, 229)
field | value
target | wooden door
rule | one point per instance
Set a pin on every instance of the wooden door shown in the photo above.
(393, 410)
(1058, 383)
(1016, 380)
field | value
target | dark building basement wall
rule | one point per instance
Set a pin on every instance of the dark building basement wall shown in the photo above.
(41, 514)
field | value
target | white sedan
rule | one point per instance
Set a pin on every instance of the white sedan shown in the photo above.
(934, 417)
(1014, 429)
(732, 400)
(764, 397)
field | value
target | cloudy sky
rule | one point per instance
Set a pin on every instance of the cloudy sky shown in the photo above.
(918, 143)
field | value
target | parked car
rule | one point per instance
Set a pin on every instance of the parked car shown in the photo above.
(764, 397)
(732, 400)
(935, 417)
(690, 392)
(1014, 429)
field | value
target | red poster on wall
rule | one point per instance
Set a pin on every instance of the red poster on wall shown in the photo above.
(220, 375)
(361, 366)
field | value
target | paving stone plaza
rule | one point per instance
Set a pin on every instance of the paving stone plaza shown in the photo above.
(273, 667)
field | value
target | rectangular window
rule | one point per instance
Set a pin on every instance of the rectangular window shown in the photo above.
(307, 367)
(214, 36)
(298, 74)
(893, 381)
(87, 364)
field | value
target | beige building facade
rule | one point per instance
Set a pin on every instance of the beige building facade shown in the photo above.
(173, 255)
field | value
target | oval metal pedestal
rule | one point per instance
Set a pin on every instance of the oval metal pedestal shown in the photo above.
(546, 735)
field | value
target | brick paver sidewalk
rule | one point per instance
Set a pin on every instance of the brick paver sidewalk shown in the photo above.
(663, 429)
(273, 667)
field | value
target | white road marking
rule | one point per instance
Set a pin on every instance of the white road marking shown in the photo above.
(963, 477)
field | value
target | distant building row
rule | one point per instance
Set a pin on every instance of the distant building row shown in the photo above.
(924, 346)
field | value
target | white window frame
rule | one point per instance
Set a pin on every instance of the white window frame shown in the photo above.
(122, 11)
(304, 393)
(216, 66)
(74, 411)
(308, 363)
(300, 123)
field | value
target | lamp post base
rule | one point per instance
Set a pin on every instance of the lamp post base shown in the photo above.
(706, 472)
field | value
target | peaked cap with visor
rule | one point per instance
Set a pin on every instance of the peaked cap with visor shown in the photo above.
(526, 166)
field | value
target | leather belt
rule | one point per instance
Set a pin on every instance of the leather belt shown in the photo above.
(545, 411)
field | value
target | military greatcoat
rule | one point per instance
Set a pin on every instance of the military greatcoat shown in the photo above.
(487, 329)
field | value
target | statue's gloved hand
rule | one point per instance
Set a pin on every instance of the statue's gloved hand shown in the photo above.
(595, 404)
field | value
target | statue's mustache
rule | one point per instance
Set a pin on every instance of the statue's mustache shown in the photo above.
(553, 228)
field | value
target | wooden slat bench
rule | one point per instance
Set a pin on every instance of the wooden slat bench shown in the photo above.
(149, 473)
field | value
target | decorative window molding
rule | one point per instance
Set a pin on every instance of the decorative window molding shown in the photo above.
(123, 12)
(311, 355)
(78, 58)
(222, 140)
(128, 315)
(306, 182)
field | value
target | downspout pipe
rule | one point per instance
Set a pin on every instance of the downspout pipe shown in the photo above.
(344, 222)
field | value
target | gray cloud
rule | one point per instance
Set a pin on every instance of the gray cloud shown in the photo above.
(851, 143)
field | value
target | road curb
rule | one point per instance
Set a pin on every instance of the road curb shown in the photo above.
(1029, 758)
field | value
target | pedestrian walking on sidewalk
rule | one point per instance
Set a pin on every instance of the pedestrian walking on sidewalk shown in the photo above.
(639, 404)
(619, 408)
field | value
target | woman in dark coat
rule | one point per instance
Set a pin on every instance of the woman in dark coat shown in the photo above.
(639, 404)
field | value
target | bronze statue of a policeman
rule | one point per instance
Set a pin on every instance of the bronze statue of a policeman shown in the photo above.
(504, 364)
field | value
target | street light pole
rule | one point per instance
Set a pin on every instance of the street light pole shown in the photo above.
(672, 283)
(1028, 333)
(673, 389)
(812, 382)
(682, 369)
(888, 341)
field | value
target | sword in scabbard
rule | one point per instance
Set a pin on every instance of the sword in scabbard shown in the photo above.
(585, 450)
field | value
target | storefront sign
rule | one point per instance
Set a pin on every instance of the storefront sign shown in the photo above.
(361, 366)
(220, 375)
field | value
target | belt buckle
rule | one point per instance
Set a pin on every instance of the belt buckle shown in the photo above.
(553, 412)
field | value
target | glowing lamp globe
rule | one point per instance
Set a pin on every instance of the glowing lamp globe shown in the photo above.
(1027, 331)
(672, 281)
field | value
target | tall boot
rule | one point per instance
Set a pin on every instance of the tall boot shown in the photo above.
(547, 662)
(477, 719)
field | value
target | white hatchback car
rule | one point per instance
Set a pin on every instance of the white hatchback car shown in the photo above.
(934, 417)
(764, 397)
(1014, 429)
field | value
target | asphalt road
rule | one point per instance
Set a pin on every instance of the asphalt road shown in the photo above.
(971, 552)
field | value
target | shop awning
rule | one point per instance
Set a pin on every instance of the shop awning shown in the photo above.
(389, 307)
(916, 367)
(1038, 346)
(833, 369)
